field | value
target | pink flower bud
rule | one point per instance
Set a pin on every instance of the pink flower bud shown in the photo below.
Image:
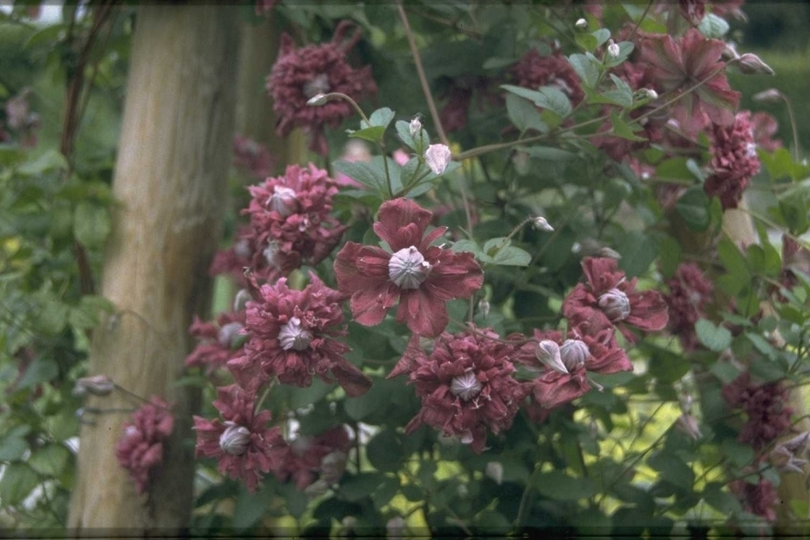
(438, 158)
(771, 95)
(415, 127)
(751, 64)
(687, 424)
(542, 224)
(548, 352)
(97, 385)
(613, 49)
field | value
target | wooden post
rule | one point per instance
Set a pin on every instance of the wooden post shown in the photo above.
(169, 183)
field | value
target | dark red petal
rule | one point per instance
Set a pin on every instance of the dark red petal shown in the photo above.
(424, 313)
(370, 304)
(398, 214)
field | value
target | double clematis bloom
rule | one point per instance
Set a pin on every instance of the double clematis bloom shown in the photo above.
(677, 65)
(218, 343)
(140, 448)
(565, 364)
(765, 405)
(290, 222)
(534, 71)
(734, 160)
(301, 74)
(422, 277)
(243, 444)
(293, 336)
(609, 300)
(319, 459)
(466, 385)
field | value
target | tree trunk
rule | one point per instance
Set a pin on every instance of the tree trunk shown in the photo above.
(169, 183)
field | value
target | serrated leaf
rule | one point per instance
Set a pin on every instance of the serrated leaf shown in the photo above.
(715, 338)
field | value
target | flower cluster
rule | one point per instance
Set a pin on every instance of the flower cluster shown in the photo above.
(760, 499)
(689, 294)
(734, 160)
(218, 342)
(419, 276)
(300, 74)
(290, 223)
(316, 463)
(293, 336)
(140, 448)
(242, 444)
(609, 300)
(767, 415)
(466, 385)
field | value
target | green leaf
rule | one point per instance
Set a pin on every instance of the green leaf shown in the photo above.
(363, 172)
(363, 406)
(794, 210)
(385, 491)
(371, 134)
(385, 451)
(51, 460)
(601, 35)
(37, 372)
(715, 338)
(497, 63)
(546, 97)
(524, 115)
(587, 42)
(638, 251)
(739, 454)
(360, 485)
(559, 486)
(91, 224)
(512, 256)
(625, 48)
(12, 448)
(381, 117)
(17, 483)
(467, 245)
(302, 397)
(693, 206)
(48, 35)
(419, 145)
(586, 69)
(250, 507)
(49, 161)
(672, 469)
(623, 129)
(713, 27)
(720, 500)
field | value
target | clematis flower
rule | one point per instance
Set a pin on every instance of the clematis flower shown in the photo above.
(293, 335)
(243, 444)
(689, 294)
(768, 416)
(140, 448)
(608, 299)
(301, 74)
(466, 385)
(312, 459)
(290, 222)
(677, 65)
(734, 161)
(760, 499)
(534, 71)
(566, 377)
(420, 276)
(217, 343)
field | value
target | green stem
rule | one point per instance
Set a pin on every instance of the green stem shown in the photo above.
(796, 152)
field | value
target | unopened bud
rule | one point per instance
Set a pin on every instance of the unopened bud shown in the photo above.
(581, 24)
(548, 353)
(542, 224)
(771, 95)
(333, 465)
(437, 157)
(613, 49)
(235, 440)
(483, 308)
(647, 93)
(494, 470)
(751, 64)
(97, 385)
(608, 253)
(786, 461)
(415, 127)
(574, 353)
(687, 424)
(798, 444)
(241, 299)
(317, 100)
(316, 489)
(729, 53)
(685, 401)
(615, 305)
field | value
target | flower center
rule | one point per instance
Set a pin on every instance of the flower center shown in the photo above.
(228, 333)
(466, 386)
(408, 268)
(317, 85)
(282, 200)
(573, 353)
(292, 336)
(615, 305)
(235, 439)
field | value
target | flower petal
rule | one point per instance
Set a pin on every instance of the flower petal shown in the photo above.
(394, 220)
